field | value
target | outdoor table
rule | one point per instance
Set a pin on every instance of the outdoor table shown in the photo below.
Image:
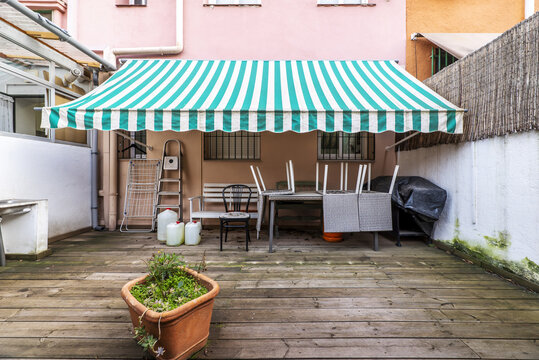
(298, 196)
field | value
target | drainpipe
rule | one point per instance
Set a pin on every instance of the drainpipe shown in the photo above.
(93, 164)
(113, 181)
(94, 153)
(61, 33)
(158, 50)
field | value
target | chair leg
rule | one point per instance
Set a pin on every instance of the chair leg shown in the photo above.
(276, 228)
(221, 236)
(226, 234)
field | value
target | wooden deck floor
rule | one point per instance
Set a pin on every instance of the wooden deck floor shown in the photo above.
(308, 300)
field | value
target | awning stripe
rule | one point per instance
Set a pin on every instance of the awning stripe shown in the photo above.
(250, 95)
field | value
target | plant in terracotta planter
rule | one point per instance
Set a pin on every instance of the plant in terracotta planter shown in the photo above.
(170, 307)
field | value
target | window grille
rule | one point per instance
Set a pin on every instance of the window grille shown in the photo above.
(344, 2)
(232, 2)
(131, 2)
(440, 59)
(128, 149)
(241, 145)
(345, 146)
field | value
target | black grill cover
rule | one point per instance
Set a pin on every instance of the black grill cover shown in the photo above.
(416, 196)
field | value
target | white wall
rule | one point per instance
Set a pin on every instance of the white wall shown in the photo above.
(33, 169)
(501, 194)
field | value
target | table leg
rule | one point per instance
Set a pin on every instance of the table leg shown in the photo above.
(261, 206)
(2, 250)
(375, 245)
(271, 222)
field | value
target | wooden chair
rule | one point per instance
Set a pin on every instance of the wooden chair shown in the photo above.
(235, 218)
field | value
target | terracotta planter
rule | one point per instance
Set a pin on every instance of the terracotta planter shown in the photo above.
(185, 329)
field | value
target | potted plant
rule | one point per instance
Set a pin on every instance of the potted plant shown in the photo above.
(170, 307)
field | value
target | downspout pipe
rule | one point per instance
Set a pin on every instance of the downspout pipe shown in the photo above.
(94, 193)
(113, 181)
(158, 50)
(61, 33)
(93, 164)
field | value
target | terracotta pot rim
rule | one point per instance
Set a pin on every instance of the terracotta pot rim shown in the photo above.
(154, 316)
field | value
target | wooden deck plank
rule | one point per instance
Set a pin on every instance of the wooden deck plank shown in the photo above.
(39, 348)
(339, 349)
(112, 301)
(504, 349)
(291, 330)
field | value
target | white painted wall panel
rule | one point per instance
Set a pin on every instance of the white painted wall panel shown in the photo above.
(33, 169)
(504, 187)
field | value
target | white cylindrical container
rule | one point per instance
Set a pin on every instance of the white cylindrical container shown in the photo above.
(175, 233)
(193, 232)
(163, 219)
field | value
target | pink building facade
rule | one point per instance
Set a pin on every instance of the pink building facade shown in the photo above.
(278, 29)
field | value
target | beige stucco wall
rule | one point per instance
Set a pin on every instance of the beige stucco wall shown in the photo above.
(275, 150)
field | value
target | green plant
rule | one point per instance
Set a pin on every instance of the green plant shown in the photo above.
(166, 287)
(162, 265)
(145, 339)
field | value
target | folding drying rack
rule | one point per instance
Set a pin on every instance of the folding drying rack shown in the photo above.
(141, 193)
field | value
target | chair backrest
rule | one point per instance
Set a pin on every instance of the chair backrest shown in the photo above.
(292, 182)
(393, 179)
(256, 179)
(234, 195)
(259, 181)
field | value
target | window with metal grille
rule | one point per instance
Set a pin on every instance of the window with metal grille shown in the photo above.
(344, 2)
(128, 149)
(232, 2)
(440, 59)
(241, 145)
(131, 3)
(344, 146)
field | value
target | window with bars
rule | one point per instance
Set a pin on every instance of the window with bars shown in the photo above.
(344, 146)
(232, 2)
(241, 145)
(131, 3)
(128, 149)
(440, 59)
(344, 2)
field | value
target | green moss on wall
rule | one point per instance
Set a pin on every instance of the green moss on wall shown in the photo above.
(501, 241)
(491, 254)
(531, 265)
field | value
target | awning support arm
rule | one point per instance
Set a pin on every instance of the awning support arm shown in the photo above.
(62, 34)
(402, 140)
(149, 147)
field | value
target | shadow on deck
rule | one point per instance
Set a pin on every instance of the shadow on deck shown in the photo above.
(309, 299)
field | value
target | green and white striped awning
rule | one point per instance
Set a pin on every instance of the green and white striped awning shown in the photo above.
(277, 96)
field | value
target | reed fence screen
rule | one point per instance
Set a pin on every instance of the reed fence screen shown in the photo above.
(498, 84)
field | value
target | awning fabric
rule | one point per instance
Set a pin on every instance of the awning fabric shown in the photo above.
(460, 44)
(277, 96)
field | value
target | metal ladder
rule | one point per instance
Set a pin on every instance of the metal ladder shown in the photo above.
(165, 177)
